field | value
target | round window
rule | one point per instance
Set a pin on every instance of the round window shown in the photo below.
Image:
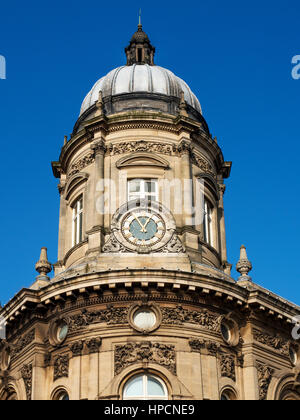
(226, 333)
(144, 319)
(62, 332)
(293, 356)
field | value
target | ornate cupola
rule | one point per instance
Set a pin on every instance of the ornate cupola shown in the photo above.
(140, 50)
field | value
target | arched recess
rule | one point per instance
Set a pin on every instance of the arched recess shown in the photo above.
(286, 387)
(142, 159)
(58, 392)
(210, 183)
(9, 393)
(228, 387)
(175, 388)
(74, 182)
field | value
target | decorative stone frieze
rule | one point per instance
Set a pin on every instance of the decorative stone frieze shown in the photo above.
(140, 146)
(275, 341)
(61, 367)
(26, 373)
(22, 342)
(145, 352)
(179, 316)
(142, 126)
(161, 148)
(81, 164)
(112, 315)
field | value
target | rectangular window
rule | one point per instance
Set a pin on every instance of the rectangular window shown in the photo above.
(208, 223)
(143, 189)
(140, 55)
(78, 222)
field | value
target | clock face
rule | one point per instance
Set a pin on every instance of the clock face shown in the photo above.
(143, 227)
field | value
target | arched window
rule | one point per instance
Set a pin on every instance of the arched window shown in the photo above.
(61, 395)
(77, 221)
(145, 387)
(228, 395)
(208, 223)
(9, 395)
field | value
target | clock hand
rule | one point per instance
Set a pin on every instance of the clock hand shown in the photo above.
(146, 224)
(139, 222)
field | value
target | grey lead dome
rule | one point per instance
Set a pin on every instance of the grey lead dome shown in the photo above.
(140, 78)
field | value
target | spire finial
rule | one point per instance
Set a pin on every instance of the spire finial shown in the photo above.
(244, 266)
(140, 50)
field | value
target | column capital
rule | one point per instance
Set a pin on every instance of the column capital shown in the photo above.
(98, 146)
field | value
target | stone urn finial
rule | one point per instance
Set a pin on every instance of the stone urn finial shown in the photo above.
(43, 267)
(182, 106)
(244, 266)
(100, 104)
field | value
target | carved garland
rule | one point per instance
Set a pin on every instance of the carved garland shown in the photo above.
(227, 367)
(26, 373)
(131, 353)
(61, 367)
(265, 374)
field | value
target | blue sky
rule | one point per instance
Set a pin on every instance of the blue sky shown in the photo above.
(236, 56)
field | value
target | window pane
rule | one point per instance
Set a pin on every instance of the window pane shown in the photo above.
(150, 186)
(75, 231)
(80, 227)
(135, 387)
(135, 186)
(151, 197)
(155, 388)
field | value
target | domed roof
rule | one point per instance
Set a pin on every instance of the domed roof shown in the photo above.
(140, 36)
(140, 78)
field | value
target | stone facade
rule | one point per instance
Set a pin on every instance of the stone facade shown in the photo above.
(76, 334)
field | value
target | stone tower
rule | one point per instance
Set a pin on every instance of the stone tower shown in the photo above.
(142, 304)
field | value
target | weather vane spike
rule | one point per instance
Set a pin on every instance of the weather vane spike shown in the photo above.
(140, 17)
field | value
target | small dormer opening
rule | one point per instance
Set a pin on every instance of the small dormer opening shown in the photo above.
(140, 55)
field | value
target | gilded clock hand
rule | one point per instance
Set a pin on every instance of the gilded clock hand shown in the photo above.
(146, 224)
(139, 222)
